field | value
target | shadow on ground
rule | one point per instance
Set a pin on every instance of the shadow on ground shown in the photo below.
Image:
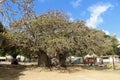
(69, 69)
(11, 72)
(81, 67)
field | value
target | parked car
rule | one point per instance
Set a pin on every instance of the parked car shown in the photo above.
(74, 60)
(2, 58)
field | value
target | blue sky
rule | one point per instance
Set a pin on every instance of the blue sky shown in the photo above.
(100, 14)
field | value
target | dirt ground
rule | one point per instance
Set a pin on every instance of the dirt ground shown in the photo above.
(36, 74)
(8, 72)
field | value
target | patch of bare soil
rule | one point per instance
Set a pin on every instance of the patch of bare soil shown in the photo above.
(73, 73)
(31, 72)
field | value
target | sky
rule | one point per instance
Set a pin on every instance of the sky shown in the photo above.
(101, 14)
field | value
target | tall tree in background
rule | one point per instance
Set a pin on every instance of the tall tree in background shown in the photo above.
(100, 43)
(114, 49)
(2, 38)
(11, 11)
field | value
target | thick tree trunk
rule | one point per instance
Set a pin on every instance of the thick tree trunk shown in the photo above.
(62, 60)
(43, 60)
(113, 62)
(39, 61)
(14, 61)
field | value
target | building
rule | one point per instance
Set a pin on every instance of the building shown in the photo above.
(110, 58)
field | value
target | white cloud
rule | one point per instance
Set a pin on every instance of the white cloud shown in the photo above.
(76, 3)
(95, 16)
(106, 32)
(71, 19)
(70, 16)
(118, 39)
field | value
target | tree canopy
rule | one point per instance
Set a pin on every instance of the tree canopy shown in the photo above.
(52, 34)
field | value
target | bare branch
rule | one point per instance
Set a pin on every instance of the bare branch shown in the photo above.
(2, 1)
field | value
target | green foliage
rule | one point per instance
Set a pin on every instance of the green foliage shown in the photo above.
(2, 39)
(53, 33)
(1, 28)
(1, 52)
(115, 43)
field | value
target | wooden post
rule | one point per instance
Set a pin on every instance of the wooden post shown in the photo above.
(113, 62)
